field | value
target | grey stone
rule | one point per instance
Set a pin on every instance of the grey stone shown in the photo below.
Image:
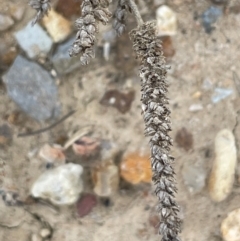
(34, 40)
(194, 177)
(63, 63)
(5, 22)
(33, 89)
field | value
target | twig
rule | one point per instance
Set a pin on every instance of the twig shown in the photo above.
(47, 128)
(136, 12)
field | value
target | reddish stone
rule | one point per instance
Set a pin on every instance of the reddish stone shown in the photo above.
(86, 204)
(69, 9)
(168, 49)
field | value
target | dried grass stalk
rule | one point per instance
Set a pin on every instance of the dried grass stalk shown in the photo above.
(156, 115)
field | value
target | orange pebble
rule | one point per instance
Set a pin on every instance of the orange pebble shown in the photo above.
(136, 168)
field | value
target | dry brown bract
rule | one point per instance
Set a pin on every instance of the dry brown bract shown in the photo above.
(156, 115)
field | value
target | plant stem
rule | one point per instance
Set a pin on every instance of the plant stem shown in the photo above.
(136, 12)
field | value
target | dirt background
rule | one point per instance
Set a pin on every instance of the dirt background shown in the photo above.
(198, 57)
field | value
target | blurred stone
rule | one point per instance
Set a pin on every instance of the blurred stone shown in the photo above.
(33, 89)
(8, 56)
(154, 221)
(45, 233)
(209, 17)
(57, 26)
(195, 107)
(184, 139)
(223, 169)
(34, 40)
(17, 11)
(61, 186)
(168, 49)
(221, 94)
(136, 168)
(105, 179)
(121, 101)
(5, 22)
(52, 154)
(36, 237)
(230, 227)
(86, 204)
(219, 1)
(166, 21)
(194, 177)
(86, 146)
(5, 134)
(63, 63)
(73, 8)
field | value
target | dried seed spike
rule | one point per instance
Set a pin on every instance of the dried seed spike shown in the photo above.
(42, 7)
(120, 16)
(93, 12)
(157, 121)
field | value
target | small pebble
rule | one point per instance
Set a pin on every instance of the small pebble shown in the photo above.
(221, 94)
(223, 167)
(166, 21)
(69, 10)
(194, 177)
(17, 11)
(105, 179)
(5, 22)
(86, 146)
(121, 101)
(230, 227)
(167, 45)
(86, 204)
(34, 40)
(184, 139)
(36, 237)
(61, 186)
(45, 233)
(57, 26)
(136, 168)
(209, 17)
(52, 154)
(39, 100)
(195, 107)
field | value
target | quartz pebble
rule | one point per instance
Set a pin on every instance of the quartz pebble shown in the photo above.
(223, 168)
(166, 21)
(34, 40)
(61, 186)
(57, 26)
(136, 168)
(195, 107)
(5, 22)
(36, 237)
(230, 227)
(45, 233)
(105, 179)
(39, 100)
(52, 154)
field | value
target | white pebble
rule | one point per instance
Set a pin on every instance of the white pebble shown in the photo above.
(61, 186)
(195, 107)
(230, 227)
(166, 21)
(224, 165)
(45, 233)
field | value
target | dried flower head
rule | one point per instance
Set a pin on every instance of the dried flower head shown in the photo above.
(120, 16)
(157, 125)
(42, 7)
(93, 12)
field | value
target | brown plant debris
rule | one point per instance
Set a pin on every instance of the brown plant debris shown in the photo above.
(156, 115)
(93, 12)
